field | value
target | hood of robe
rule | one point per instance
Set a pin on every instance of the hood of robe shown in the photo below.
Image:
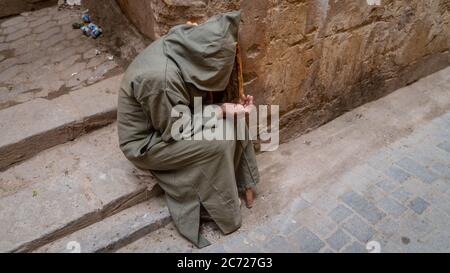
(205, 53)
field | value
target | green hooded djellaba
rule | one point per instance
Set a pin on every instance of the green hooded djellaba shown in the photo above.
(187, 62)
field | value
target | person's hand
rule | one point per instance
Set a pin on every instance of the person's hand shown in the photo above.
(246, 101)
(233, 109)
(243, 107)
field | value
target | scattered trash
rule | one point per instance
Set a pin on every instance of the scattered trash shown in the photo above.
(87, 27)
(85, 30)
(77, 25)
(307, 142)
(97, 52)
(73, 74)
(110, 58)
(95, 30)
(86, 18)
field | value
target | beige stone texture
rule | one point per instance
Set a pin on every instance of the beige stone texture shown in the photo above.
(318, 59)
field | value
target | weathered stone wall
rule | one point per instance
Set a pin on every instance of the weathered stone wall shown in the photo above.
(140, 15)
(14, 7)
(320, 58)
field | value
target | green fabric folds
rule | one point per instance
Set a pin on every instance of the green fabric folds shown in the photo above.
(205, 54)
(191, 172)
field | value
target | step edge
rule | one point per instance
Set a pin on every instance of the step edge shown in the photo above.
(66, 132)
(138, 234)
(110, 209)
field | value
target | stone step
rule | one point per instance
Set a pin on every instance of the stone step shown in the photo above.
(34, 126)
(66, 188)
(116, 231)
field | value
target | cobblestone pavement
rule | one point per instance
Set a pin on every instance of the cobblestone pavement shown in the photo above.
(396, 199)
(42, 56)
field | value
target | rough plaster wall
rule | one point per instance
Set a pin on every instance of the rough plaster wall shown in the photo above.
(320, 58)
(141, 15)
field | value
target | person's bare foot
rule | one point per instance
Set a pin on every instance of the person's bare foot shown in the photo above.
(249, 198)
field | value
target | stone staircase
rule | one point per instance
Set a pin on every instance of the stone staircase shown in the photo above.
(63, 177)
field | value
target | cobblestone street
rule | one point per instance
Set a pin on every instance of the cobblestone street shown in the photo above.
(41, 56)
(395, 200)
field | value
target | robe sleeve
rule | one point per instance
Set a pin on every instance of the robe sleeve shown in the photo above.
(157, 100)
(159, 107)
